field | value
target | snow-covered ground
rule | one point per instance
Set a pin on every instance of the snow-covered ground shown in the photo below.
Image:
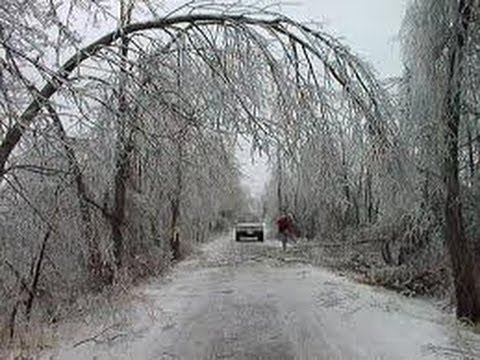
(240, 301)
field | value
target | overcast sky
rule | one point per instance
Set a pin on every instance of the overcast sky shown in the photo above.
(369, 27)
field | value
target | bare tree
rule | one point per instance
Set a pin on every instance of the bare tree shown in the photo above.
(441, 46)
(139, 127)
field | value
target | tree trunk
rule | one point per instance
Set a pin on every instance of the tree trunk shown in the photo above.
(461, 254)
(346, 186)
(174, 236)
(94, 262)
(477, 143)
(471, 156)
(176, 201)
(36, 275)
(369, 196)
(119, 200)
(279, 183)
(358, 197)
(124, 146)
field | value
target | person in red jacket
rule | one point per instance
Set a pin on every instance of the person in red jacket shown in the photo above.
(286, 229)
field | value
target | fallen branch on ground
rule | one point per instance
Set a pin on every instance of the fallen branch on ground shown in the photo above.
(95, 338)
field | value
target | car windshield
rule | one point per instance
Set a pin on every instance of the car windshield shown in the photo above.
(248, 219)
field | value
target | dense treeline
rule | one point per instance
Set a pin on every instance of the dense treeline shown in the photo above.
(412, 188)
(116, 156)
(116, 179)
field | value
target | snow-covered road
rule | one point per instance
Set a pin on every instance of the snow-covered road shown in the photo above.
(239, 301)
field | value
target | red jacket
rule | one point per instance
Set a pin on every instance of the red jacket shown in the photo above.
(285, 224)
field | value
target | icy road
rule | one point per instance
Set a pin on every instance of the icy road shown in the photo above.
(240, 301)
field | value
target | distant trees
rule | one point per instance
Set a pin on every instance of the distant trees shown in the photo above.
(411, 181)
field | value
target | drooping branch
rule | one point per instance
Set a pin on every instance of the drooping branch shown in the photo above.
(280, 25)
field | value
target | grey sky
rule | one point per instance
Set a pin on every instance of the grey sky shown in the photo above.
(369, 27)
